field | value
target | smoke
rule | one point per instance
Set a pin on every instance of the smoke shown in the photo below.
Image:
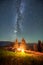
(19, 17)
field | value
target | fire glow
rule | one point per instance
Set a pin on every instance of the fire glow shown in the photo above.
(21, 50)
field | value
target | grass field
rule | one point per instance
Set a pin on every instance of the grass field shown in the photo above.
(19, 58)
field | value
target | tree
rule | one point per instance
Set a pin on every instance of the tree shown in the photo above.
(35, 47)
(16, 44)
(39, 46)
(23, 44)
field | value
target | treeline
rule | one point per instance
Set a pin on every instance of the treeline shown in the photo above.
(32, 46)
(36, 46)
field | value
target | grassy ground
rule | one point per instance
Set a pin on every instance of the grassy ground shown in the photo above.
(19, 58)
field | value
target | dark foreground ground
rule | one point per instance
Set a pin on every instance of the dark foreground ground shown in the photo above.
(20, 58)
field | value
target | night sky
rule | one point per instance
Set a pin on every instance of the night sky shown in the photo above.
(32, 23)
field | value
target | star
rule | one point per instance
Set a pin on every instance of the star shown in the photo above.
(15, 31)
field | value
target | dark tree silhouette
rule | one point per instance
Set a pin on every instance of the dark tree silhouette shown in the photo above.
(39, 46)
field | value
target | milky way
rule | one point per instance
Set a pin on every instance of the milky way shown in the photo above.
(21, 18)
(20, 5)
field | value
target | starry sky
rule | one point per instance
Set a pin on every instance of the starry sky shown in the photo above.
(32, 23)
